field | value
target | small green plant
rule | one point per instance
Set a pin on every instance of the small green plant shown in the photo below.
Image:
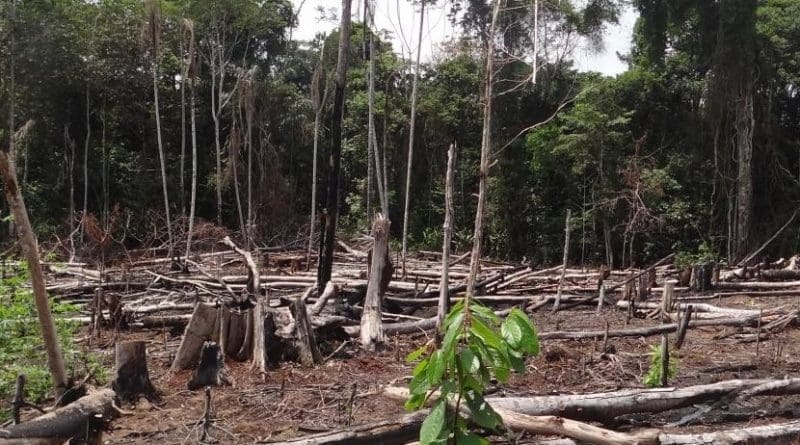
(476, 348)
(653, 377)
(21, 347)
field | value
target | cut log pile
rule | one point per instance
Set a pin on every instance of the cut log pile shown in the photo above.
(263, 307)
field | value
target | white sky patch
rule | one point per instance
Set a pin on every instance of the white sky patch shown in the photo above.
(401, 19)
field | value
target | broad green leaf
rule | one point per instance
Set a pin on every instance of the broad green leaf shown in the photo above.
(419, 382)
(415, 402)
(530, 339)
(468, 361)
(433, 425)
(482, 413)
(488, 336)
(416, 354)
(468, 438)
(455, 311)
(512, 332)
(436, 367)
(484, 313)
(452, 334)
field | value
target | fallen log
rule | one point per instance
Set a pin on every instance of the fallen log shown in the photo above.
(82, 420)
(608, 405)
(385, 432)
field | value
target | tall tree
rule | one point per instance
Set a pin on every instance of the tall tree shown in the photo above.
(486, 146)
(328, 238)
(319, 97)
(153, 37)
(411, 125)
(190, 72)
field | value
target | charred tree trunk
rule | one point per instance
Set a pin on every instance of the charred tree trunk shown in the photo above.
(304, 335)
(132, 378)
(211, 371)
(327, 240)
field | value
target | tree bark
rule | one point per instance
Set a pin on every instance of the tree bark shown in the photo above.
(327, 240)
(155, 35)
(486, 145)
(319, 106)
(304, 335)
(27, 240)
(379, 275)
(132, 378)
(411, 127)
(563, 262)
(447, 235)
(211, 371)
(199, 330)
(81, 420)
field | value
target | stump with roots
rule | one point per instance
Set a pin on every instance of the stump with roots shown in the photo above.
(132, 379)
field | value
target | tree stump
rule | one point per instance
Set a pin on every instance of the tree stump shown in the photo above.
(211, 371)
(380, 273)
(199, 330)
(643, 287)
(701, 278)
(304, 335)
(132, 378)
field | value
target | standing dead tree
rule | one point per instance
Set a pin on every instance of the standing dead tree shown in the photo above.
(380, 273)
(327, 240)
(447, 235)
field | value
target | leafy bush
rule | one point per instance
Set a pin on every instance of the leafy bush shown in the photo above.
(653, 377)
(704, 254)
(477, 347)
(21, 346)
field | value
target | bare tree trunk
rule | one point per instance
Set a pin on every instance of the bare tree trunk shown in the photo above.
(155, 36)
(411, 125)
(71, 172)
(104, 173)
(16, 204)
(564, 262)
(217, 148)
(486, 145)
(86, 160)
(745, 122)
(319, 108)
(11, 91)
(371, 101)
(380, 167)
(190, 71)
(327, 240)
(447, 234)
(182, 162)
(249, 110)
(535, 41)
(193, 199)
(380, 273)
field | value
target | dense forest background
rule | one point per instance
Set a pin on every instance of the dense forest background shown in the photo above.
(695, 149)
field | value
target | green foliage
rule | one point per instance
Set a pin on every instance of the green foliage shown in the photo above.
(652, 378)
(476, 348)
(704, 254)
(21, 346)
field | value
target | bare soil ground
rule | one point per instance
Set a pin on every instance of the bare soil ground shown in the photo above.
(292, 401)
